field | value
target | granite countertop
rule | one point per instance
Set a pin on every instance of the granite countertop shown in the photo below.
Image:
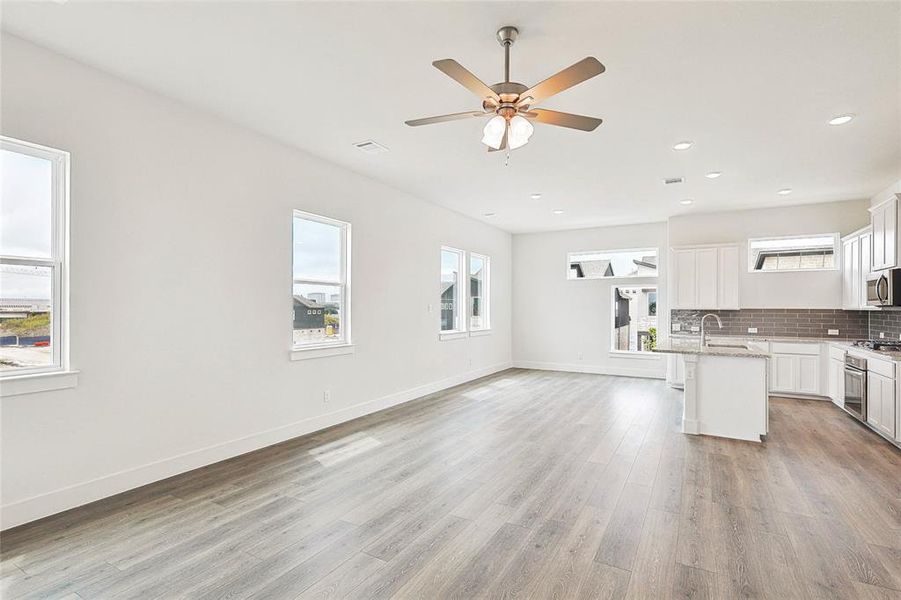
(685, 338)
(689, 346)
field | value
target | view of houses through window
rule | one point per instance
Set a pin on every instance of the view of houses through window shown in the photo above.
(32, 247)
(321, 299)
(799, 253)
(634, 318)
(612, 263)
(454, 294)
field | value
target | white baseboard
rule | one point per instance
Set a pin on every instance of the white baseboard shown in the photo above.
(650, 373)
(42, 505)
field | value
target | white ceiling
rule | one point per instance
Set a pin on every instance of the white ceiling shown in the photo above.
(752, 84)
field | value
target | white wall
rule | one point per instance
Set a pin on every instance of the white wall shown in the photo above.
(819, 289)
(181, 291)
(566, 324)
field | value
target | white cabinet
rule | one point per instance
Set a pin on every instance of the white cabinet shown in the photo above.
(856, 266)
(884, 219)
(795, 368)
(881, 403)
(705, 277)
(836, 381)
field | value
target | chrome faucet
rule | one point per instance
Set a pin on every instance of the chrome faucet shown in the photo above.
(704, 330)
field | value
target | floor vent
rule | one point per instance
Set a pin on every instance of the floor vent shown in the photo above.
(673, 180)
(370, 147)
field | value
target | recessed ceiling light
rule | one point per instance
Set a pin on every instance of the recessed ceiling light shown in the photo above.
(841, 119)
(489, 215)
(713, 174)
(684, 145)
(558, 212)
(686, 202)
(784, 191)
(536, 196)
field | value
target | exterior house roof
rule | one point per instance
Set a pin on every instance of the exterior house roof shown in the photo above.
(307, 302)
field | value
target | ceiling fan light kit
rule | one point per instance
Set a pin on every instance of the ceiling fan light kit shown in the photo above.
(510, 103)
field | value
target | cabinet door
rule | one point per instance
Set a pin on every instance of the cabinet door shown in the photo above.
(890, 219)
(728, 276)
(837, 381)
(808, 375)
(706, 273)
(849, 298)
(877, 219)
(866, 246)
(874, 399)
(685, 277)
(887, 414)
(782, 373)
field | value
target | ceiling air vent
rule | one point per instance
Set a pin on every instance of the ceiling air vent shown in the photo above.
(370, 147)
(672, 180)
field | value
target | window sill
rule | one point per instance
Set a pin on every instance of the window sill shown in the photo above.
(635, 354)
(321, 351)
(452, 335)
(479, 332)
(16, 385)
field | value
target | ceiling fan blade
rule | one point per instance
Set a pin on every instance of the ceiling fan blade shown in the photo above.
(444, 118)
(565, 79)
(458, 73)
(562, 119)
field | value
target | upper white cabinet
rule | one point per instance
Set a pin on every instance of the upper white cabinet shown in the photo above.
(884, 220)
(856, 264)
(705, 277)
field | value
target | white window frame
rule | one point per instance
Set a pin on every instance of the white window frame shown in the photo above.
(634, 353)
(344, 344)
(836, 252)
(461, 295)
(486, 293)
(611, 251)
(59, 266)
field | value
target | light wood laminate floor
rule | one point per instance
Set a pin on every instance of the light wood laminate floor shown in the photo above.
(524, 484)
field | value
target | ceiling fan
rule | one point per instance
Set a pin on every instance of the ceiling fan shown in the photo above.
(511, 102)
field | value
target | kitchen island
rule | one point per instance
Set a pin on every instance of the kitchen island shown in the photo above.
(725, 388)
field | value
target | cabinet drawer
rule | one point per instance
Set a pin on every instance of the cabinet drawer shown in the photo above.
(794, 348)
(886, 368)
(837, 353)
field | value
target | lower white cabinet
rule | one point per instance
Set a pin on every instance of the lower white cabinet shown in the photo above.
(794, 373)
(881, 403)
(836, 381)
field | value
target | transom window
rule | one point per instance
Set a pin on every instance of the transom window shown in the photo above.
(610, 264)
(33, 258)
(795, 253)
(321, 281)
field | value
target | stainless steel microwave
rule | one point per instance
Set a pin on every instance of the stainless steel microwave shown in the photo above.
(884, 288)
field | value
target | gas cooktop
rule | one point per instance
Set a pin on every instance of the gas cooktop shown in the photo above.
(879, 345)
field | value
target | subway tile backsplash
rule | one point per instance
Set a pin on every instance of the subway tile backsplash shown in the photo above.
(886, 322)
(788, 322)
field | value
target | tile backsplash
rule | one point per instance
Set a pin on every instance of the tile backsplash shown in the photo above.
(790, 322)
(887, 322)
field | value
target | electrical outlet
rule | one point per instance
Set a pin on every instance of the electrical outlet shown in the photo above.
(695, 328)
(881, 335)
(470, 363)
(327, 396)
(580, 356)
(832, 332)
(677, 327)
(752, 330)
(430, 308)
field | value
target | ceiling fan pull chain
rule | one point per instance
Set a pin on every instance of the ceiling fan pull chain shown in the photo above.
(507, 159)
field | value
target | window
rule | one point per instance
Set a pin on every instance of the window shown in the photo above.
(634, 316)
(478, 292)
(796, 253)
(321, 281)
(452, 291)
(610, 264)
(33, 258)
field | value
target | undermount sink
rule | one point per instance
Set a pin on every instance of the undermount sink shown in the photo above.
(725, 345)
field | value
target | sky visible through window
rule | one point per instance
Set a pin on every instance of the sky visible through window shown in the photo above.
(25, 226)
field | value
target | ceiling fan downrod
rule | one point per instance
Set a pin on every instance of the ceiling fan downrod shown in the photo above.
(506, 36)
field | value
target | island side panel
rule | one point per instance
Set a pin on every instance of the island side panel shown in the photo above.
(731, 397)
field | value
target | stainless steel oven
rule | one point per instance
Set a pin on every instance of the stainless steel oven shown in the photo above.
(884, 288)
(856, 386)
